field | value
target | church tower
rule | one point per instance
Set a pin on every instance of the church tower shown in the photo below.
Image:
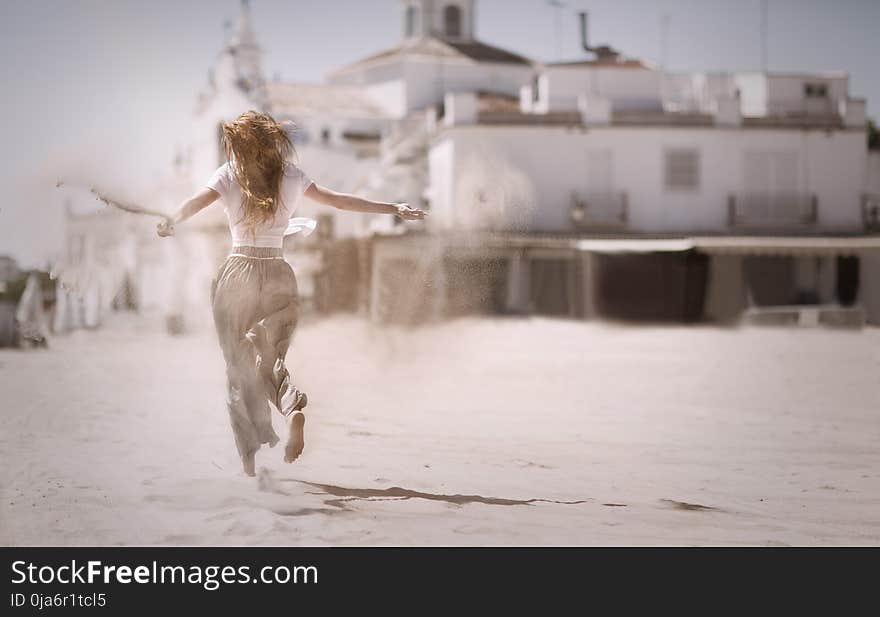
(235, 85)
(450, 20)
(240, 62)
(246, 53)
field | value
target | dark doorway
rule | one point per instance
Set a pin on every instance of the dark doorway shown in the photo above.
(847, 280)
(651, 286)
(550, 285)
(770, 280)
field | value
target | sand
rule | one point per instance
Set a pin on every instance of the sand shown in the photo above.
(473, 432)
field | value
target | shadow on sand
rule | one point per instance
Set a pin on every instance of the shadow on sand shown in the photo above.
(395, 492)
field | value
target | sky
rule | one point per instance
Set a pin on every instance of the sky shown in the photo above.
(114, 82)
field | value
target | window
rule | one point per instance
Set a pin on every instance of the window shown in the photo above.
(536, 89)
(325, 135)
(682, 169)
(452, 20)
(410, 26)
(816, 91)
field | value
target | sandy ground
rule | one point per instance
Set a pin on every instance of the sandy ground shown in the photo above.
(475, 432)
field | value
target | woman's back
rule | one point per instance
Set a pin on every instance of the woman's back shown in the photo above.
(271, 232)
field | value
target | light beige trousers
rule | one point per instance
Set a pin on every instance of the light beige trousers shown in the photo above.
(256, 307)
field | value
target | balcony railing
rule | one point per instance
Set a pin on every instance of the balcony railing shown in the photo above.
(607, 210)
(803, 107)
(772, 211)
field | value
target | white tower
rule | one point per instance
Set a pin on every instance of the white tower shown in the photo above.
(240, 62)
(451, 20)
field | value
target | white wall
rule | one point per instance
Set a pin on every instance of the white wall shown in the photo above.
(441, 161)
(626, 88)
(205, 137)
(760, 94)
(340, 171)
(411, 84)
(834, 164)
(555, 161)
(753, 94)
(390, 95)
(310, 129)
(205, 144)
(785, 93)
(428, 82)
(696, 92)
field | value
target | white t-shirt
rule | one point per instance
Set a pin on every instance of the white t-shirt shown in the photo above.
(270, 233)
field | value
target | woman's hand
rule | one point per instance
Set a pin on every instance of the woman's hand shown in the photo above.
(165, 228)
(353, 203)
(408, 213)
(204, 198)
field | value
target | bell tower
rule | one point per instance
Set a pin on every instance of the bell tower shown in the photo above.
(450, 20)
(245, 51)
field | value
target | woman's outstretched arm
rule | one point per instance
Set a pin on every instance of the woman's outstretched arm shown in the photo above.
(353, 203)
(191, 206)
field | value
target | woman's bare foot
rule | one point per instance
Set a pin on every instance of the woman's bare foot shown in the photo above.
(249, 463)
(295, 440)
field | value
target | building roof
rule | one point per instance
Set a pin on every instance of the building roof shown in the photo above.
(614, 63)
(432, 47)
(300, 99)
(805, 75)
(483, 52)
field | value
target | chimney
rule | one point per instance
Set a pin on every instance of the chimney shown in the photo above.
(584, 42)
(604, 53)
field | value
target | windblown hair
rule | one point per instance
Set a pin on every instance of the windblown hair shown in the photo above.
(257, 148)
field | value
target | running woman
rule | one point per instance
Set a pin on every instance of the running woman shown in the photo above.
(254, 297)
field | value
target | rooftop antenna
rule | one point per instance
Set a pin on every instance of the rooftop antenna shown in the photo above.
(664, 40)
(557, 5)
(764, 10)
(664, 52)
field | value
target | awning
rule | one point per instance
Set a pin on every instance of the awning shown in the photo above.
(739, 245)
(634, 246)
(792, 246)
(711, 245)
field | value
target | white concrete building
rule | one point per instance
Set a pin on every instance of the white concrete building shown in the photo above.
(524, 164)
(613, 144)
(439, 54)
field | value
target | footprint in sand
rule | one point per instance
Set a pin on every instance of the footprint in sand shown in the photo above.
(268, 483)
(525, 463)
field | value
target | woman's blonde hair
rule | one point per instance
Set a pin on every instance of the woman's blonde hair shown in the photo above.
(257, 148)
